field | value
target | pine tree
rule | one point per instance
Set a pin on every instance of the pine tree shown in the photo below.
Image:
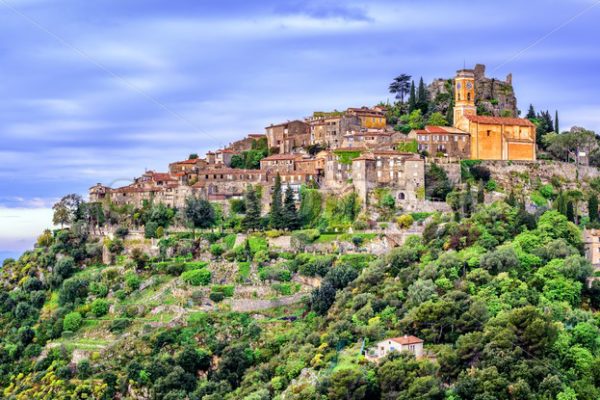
(290, 214)
(276, 219)
(422, 97)
(593, 207)
(556, 127)
(531, 112)
(412, 98)
(251, 220)
(480, 193)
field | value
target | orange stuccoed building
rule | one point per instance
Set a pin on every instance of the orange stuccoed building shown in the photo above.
(492, 138)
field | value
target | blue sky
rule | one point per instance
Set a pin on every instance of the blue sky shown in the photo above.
(98, 91)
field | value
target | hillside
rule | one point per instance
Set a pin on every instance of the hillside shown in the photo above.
(501, 297)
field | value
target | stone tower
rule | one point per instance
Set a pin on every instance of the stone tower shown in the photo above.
(464, 97)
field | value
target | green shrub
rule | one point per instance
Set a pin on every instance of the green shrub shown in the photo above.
(100, 307)
(191, 265)
(132, 282)
(216, 250)
(98, 289)
(306, 236)
(284, 289)
(119, 325)
(227, 290)
(229, 241)
(217, 297)
(405, 221)
(275, 273)
(72, 322)
(244, 269)
(197, 277)
(491, 185)
(120, 294)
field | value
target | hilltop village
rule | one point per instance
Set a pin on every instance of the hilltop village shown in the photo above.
(440, 247)
(356, 149)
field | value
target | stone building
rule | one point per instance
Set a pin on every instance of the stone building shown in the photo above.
(447, 140)
(492, 138)
(187, 166)
(370, 118)
(402, 173)
(279, 163)
(288, 136)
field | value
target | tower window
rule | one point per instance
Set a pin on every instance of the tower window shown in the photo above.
(469, 96)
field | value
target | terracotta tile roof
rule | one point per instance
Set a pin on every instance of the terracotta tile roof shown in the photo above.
(192, 161)
(435, 129)
(159, 176)
(483, 119)
(256, 135)
(404, 340)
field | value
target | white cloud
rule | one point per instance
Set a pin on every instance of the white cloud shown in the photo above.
(21, 226)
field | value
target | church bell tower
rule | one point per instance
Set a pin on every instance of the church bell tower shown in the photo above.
(464, 97)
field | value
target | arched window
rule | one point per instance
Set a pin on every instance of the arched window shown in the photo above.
(469, 96)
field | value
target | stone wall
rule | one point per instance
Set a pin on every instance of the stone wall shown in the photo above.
(248, 305)
(507, 173)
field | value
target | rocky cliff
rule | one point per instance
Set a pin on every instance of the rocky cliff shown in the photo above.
(492, 96)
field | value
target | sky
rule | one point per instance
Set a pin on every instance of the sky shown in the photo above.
(100, 91)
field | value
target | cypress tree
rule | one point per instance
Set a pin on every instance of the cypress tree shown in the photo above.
(556, 127)
(511, 200)
(570, 211)
(593, 207)
(480, 193)
(561, 203)
(276, 220)
(412, 98)
(422, 102)
(251, 220)
(290, 214)
(468, 201)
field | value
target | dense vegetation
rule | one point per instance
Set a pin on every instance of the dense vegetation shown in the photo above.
(500, 296)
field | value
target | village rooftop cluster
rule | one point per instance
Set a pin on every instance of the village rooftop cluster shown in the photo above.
(338, 151)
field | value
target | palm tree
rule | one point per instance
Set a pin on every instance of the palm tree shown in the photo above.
(400, 86)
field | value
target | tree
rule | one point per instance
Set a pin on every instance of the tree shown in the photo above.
(570, 211)
(276, 217)
(400, 86)
(199, 213)
(530, 112)
(556, 126)
(251, 220)
(571, 145)
(412, 98)
(311, 205)
(193, 156)
(422, 97)
(593, 207)
(72, 321)
(351, 384)
(480, 193)
(414, 120)
(437, 119)
(68, 210)
(290, 214)
(437, 184)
